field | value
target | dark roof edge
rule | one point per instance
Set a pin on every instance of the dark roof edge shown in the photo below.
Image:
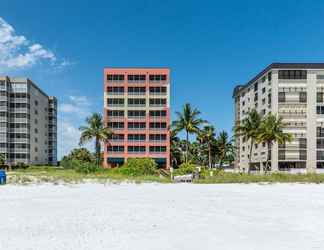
(107, 67)
(280, 66)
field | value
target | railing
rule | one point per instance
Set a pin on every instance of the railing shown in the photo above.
(115, 105)
(158, 81)
(115, 93)
(136, 105)
(136, 117)
(136, 93)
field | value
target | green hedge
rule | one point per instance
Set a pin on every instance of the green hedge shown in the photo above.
(185, 168)
(139, 167)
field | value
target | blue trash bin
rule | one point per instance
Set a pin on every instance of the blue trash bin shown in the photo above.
(3, 177)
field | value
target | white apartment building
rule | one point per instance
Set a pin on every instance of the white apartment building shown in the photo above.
(28, 125)
(294, 91)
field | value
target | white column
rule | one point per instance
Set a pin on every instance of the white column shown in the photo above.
(311, 121)
(274, 110)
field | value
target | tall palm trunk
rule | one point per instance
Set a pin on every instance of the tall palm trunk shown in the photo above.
(187, 145)
(209, 156)
(268, 156)
(250, 156)
(98, 149)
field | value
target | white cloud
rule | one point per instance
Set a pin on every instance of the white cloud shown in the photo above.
(77, 105)
(17, 51)
(72, 114)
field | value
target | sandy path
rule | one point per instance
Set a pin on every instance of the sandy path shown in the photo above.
(162, 217)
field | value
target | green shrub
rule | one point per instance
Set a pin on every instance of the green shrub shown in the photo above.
(139, 167)
(69, 164)
(185, 168)
(85, 167)
(20, 165)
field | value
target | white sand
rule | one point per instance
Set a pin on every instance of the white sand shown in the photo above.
(162, 217)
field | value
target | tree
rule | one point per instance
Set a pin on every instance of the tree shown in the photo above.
(249, 129)
(80, 154)
(97, 131)
(189, 121)
(207, 136)
(2, 159)
(271, 130)
(175, 149)
(225, 148)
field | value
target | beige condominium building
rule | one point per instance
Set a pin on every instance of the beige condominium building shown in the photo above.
(295, 92)
(28, 125)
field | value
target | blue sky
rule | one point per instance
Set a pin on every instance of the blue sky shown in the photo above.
(210, 47)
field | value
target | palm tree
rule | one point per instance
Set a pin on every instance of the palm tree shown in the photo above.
(189, 121)
(249, 129)
(175, 149)
(271, 130)
(207, 136)
(225, 147)
(95, 130)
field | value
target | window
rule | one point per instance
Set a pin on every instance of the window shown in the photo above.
(302, 142)
(158, 90)
(319, 97)
(320, 110)
(115, 77)
(302, 97)
(256, 99)
(157, 102)
(281, 97)
(156, 78)
(292, 74)
(136, 149)
(320, 132)
(136, 113)
(115, 113)
(256, 86)
(269, 76)
(115, 102)
(263, 101)
(320, 77)
(157, 149)
(263, 79)
(136, 78)
(116, 148)
(136, 137)
(136, 90)
(269, 99)
(243, 103)
(116, 137)
(263, 90)
(115, 90)
(136, 125)
(157, 113)
(36, 103)
(158, 125)
(157, 137)
(115, 125)
(136, 102)
(320, 155)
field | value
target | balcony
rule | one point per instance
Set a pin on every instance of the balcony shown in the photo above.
(136, 105)
(115, 93)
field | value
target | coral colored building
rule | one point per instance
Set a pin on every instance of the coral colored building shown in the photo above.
(137, 110)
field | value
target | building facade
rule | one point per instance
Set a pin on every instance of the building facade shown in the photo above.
(295, 92)
(137, 110)
(28, 126)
